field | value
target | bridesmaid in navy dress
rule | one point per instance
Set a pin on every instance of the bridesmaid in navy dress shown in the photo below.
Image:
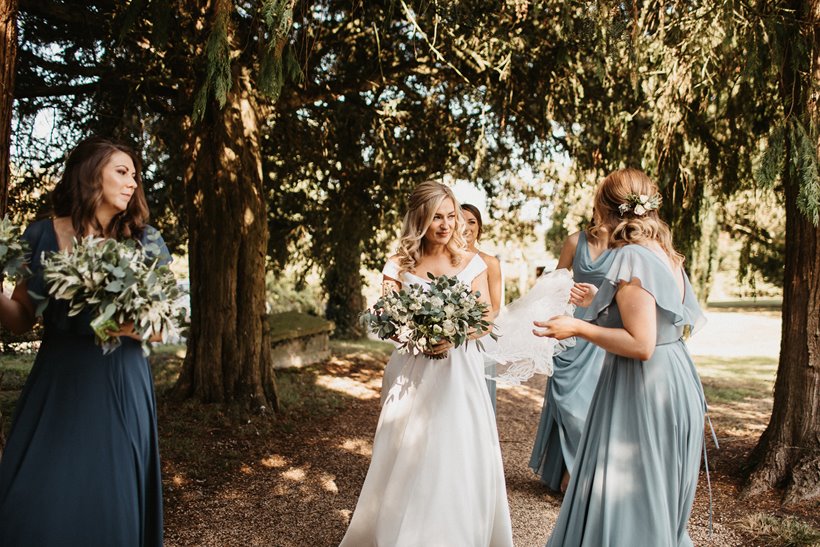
(81, 465)
(575, 370)
(636, 468)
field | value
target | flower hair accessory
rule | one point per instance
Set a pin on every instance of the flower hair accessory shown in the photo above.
(639, 204)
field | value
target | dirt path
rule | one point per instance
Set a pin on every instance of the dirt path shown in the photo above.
(296, 485)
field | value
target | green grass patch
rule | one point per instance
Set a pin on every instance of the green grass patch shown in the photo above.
(364, 345)
(783, 531)
(736, 379)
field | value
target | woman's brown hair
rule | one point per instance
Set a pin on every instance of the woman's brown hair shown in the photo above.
(78, 194)
(477, 214)
(624, 227)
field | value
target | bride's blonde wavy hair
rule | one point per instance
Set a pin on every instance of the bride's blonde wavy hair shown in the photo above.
(623, 229)
(425, 200)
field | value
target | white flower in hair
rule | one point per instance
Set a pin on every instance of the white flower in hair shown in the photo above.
(639, 204)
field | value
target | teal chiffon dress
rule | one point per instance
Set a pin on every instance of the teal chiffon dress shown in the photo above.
(636, 469)
(570, 388)
(81, 466)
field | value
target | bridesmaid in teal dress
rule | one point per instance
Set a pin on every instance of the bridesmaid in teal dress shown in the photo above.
(636, 469)
(575, 371)
(81, 465)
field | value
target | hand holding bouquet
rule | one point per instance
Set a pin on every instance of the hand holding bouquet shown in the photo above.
(13, 251)
(118, 282)
(419, 317)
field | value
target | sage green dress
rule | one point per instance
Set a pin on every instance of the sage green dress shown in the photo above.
(575, 374)
(636, 469)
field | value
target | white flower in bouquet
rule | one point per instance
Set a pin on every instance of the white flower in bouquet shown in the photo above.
(446, 310)
(117, 282)
(13, 251)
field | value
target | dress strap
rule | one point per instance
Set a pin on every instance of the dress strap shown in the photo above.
(472, 270)
(391, 270)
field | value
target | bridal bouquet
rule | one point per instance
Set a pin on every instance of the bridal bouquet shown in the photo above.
(13, 251)
(117, 282)
(419, 317)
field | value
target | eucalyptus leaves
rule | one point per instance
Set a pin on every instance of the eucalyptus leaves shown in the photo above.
(419, 317)
(14, 251)
(117, 282)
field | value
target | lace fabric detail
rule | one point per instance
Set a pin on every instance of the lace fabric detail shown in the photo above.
(519, 354)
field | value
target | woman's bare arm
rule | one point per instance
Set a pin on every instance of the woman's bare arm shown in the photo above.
(17, 311)
(636, 339)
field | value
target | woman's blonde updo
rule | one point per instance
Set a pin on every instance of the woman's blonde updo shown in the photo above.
(615, 218)
(425, 200)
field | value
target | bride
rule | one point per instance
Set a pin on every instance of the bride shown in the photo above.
(436, 476)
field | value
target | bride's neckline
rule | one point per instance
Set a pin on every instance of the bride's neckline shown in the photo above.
(462, 270)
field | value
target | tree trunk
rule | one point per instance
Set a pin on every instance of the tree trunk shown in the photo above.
(788, 453)
(229, 355)
(343, 286)
(8, 62)
(342, 281)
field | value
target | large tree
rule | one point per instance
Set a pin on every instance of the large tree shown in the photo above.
(237, 75)
(788, 453)
(191, 83)
(343, 163)
(8, 58)
(8, 67)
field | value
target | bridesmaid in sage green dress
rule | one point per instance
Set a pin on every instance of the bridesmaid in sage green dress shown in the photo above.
(81, 465)
(575, 372)
(636, 469)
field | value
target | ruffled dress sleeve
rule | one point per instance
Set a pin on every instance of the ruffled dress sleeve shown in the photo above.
(635, 262)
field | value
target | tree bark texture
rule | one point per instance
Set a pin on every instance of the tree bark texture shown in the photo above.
(342, 281)
(8, 63)
(229, 355)
(788, 453)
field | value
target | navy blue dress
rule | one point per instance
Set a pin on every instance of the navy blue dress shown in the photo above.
(81, 465)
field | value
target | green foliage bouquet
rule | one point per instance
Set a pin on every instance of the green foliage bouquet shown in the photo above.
(117, 282)
(419, 317)
(13, 251)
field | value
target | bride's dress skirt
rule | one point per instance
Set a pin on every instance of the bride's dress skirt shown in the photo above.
(436, 478)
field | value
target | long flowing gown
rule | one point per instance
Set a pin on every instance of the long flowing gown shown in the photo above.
(570, 388)
(636, 469)
(81, 465)
(436, 478)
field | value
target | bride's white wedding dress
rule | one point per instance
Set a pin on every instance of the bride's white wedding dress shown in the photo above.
(436, 478)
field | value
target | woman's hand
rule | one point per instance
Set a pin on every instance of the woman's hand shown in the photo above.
(558, 327)
(439, 347)
(126, 329)
(582, 294)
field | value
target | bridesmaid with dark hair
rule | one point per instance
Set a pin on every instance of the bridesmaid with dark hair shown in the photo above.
(81, 465)
(472, 218)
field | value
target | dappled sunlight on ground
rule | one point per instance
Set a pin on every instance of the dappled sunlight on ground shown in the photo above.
(362, 447)
(294, 482)
(349, 386)
(274, 461)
